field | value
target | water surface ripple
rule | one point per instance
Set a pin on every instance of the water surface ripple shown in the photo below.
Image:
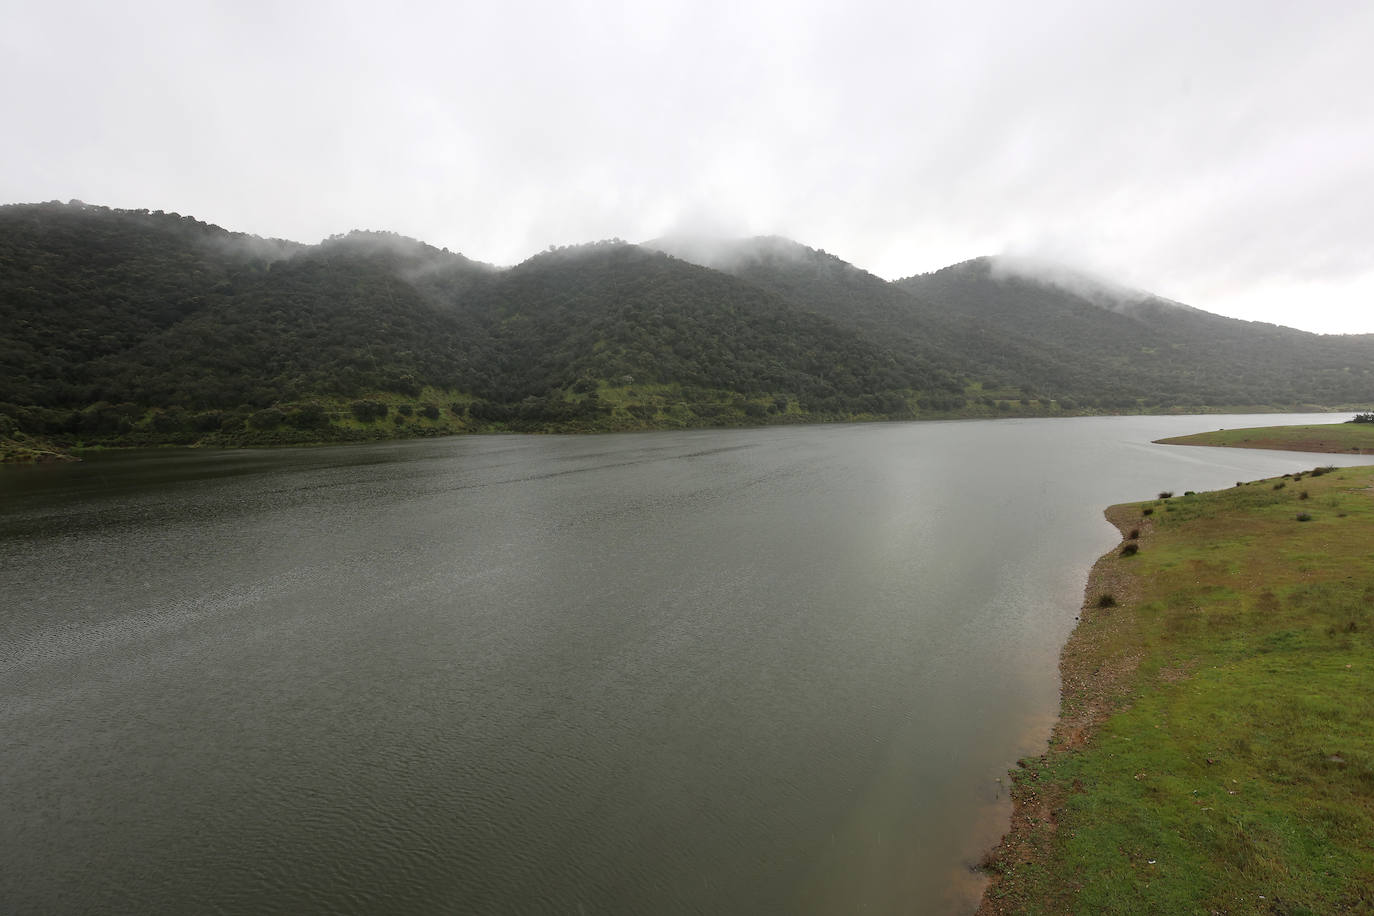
(700, 672)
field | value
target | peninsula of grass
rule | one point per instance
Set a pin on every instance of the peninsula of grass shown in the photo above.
(1214, 752)
(1344, 438)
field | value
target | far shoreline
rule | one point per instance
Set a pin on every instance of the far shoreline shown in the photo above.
(19, 448)
(1332, 438)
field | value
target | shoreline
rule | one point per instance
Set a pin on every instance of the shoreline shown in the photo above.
(1091, 691)
(1327, 438)
(18, 446)
(1088, 695)
(1212, 751)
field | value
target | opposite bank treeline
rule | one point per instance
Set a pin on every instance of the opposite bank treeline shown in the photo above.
(134, 327)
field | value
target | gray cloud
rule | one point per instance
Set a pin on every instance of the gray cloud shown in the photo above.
(1221, 154)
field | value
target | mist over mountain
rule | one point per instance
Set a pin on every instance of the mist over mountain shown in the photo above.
(1098, 339)
(119, 325)
(825, 285)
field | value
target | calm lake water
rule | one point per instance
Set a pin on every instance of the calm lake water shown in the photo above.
(695, 672)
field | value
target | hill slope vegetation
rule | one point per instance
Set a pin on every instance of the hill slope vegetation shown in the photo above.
(138, 327)
(1108, 345)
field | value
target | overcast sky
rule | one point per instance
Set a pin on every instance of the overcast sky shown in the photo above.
(1219, 153)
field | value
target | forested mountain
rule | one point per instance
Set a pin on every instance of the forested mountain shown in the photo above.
(622, 313)
(1109, 345)
(135, 326)
(1056, 331)
(78, 285)
(143, 326)
(825, 285)
(960, 347)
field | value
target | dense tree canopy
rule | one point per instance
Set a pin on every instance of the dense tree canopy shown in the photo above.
(121, 323)
(1101, 345)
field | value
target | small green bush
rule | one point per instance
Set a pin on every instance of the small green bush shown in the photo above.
(368, 411)
(1106, 600)
(1166, 494)
(267, 418)
(1135, 533)
(1148, 510)
(308, 416)
(1130, 550)
(1304, 516)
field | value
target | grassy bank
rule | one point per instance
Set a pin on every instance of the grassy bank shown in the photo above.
(1215, 752)
(1347, 438)
(18, 448)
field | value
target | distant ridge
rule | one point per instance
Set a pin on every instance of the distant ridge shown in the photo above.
(131, 325)
(1125, 343)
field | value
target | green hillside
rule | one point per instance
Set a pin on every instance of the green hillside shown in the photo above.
(123, 327)
(140, 328)
(1108, 346)
(824, 285)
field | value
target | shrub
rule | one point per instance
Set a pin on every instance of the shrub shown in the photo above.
(1280, 485)
(1130, 550)
(1166, 494)
(267, 418)
(1189, 493)
(1304, 495)
(169, 421)
(367, 411)
(208, 422)
(308, 416)
(1148, 510)
(1135, 533)
(1304, 516)
(429, 412)
(1106, 600)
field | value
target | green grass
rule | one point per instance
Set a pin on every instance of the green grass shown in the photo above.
(1236, 772)
(19, 448)
(1348, 438)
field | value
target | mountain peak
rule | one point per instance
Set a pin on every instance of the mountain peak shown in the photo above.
(733, 254)
(1078, 283)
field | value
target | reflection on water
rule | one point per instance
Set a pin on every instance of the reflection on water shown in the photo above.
(744, 671)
